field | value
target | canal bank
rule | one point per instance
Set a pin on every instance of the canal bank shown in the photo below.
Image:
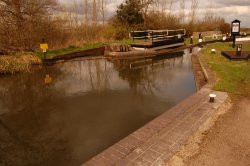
(227, 142)
(161, 139)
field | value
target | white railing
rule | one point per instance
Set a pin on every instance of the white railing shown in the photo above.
(157, 34)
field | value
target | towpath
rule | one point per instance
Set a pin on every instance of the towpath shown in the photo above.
(227, 143)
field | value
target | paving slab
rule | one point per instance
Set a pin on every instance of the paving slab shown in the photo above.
(156, 142)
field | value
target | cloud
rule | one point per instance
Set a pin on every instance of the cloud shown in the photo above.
(232, 12)
(228, 9)
(233, 2)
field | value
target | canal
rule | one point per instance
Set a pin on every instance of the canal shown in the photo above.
(90, 105)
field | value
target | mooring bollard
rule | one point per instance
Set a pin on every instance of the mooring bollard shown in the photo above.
(212, 98)
(191, 40)
(238, 49)
(213, 51)
(200, 35)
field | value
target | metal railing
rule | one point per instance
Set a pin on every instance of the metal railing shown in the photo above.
(157, 34)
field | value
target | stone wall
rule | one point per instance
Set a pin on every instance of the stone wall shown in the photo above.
(117, 47)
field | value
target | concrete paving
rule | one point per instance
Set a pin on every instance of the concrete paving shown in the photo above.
(156, 142)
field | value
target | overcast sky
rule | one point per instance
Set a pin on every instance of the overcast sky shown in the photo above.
(229, 9)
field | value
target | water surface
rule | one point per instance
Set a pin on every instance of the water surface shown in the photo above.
(91, 105)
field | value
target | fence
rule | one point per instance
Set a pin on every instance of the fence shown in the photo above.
(157, 34)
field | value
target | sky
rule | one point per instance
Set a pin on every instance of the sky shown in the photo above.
(228, 9)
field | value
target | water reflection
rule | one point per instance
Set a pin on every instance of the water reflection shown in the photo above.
(147, 75)
(90, 105)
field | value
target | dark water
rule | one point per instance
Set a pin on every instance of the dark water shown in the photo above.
(91, 105)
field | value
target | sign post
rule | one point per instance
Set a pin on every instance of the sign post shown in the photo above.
(235, 30)
(44, 46)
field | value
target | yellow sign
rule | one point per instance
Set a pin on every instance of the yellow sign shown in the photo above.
(48, 79)
(44, 46)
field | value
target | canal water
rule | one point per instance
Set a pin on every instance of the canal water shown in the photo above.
(90, 105)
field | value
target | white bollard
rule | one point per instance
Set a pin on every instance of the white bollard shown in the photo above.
(213, 51)
(212, 98)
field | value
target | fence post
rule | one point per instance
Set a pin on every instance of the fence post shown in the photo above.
(234, 39)
(152, 37)
(133, 36)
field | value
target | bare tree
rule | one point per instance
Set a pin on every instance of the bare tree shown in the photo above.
(103, 10)
(25, 22)
(182, 11)
(86, 11)
(76, 13)
(193, 12)
(145, 6)
(156, 5)
(170, 2)
(94, 13)
(209, 13)
(163, 6)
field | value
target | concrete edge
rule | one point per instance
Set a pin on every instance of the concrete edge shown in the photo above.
(203, 69)
(192, 146)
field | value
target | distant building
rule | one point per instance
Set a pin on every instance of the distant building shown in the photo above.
(207, 34)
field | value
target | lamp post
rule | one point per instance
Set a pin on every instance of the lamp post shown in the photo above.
(235, 30)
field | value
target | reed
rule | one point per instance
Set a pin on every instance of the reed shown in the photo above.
(21, 62)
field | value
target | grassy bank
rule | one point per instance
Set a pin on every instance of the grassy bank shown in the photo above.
(20, 62)
(234, 76)
(70, 49)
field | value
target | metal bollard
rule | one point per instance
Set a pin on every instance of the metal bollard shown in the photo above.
(212, 98)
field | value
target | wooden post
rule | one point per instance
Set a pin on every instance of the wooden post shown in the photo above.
(44, 54)
(234, 39)
(191, 39)
(152, 37)
(133, 36)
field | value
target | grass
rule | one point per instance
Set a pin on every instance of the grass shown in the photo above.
(234, 76)
(20, 62)
(70, 49)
